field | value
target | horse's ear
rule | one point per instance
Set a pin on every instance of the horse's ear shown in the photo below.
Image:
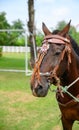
(45, 29)
(65, 29)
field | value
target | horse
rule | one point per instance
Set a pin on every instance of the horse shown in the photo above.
(58, 64)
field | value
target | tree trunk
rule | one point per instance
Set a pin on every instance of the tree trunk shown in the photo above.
(31, 29)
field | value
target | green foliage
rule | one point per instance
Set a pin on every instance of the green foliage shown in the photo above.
(39, 39)
(3, 21)
(60, 25)
(20, 41)
(11, 38)
(77, 37)
(18, 24)
(3, 25)
(17, 38)
(3, 38)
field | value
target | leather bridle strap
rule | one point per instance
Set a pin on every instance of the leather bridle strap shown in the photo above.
(56, 39)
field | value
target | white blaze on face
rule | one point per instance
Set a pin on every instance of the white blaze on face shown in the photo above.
(44, 48)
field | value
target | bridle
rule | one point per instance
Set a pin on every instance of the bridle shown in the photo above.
(52, 39)
(56, 39)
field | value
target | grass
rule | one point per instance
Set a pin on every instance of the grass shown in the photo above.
(12, 61)
(19, 110)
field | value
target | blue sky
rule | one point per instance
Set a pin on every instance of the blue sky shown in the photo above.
(48, 11)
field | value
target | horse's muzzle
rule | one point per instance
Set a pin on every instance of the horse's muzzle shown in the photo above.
(39, 90)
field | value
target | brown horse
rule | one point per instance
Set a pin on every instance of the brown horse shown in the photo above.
(58, 64)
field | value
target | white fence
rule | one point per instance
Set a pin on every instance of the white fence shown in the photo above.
(15, 49)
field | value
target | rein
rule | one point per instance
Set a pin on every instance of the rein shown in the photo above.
(65, 90)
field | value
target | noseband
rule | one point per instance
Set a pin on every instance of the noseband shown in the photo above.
(52, 39)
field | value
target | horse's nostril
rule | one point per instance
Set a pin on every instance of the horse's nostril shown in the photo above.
(40, 87)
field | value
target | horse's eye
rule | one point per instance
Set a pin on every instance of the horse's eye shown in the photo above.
(57, 53)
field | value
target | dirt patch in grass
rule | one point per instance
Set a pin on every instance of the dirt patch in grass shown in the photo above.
(57, 128)
(17, 96)
(14, 104)
(2, 78)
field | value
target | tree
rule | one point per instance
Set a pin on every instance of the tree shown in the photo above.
(3, 21)
(11, 38)
(17, 24)
(61, 25)
(31, 28)
(16, 38)
(39, 38)
(3, 25)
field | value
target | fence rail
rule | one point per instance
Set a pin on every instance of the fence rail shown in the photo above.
(15, 49)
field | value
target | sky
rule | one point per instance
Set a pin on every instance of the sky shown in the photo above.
(48, 11)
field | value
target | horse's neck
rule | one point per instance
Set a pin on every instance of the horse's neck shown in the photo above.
(68, 77)
(72, 73)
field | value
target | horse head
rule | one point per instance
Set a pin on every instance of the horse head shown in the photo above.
(54, 58)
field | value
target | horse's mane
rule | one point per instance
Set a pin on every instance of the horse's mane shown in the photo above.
(74, 45)
(73, 42)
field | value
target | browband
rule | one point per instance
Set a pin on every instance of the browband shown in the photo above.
(56, 39)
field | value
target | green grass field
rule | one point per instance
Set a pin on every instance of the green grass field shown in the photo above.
(12, 61)
(19, 110)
